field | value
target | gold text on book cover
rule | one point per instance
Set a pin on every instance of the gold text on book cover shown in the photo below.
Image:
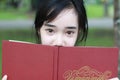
(86, 73)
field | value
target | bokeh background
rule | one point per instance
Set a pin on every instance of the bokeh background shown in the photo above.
(17, 22)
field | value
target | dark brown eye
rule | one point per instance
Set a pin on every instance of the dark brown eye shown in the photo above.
(50, 31)
(70, 33)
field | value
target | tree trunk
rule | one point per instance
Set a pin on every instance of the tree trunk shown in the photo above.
(117, 22)
(106, 7)
(32, 5)
(36, 3)
(117, 27)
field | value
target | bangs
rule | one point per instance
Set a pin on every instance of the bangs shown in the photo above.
(55, 8)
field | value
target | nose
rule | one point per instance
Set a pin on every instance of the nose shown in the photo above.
(59, 41)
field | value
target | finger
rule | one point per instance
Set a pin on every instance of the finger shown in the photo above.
(4, 77)
(114, 79)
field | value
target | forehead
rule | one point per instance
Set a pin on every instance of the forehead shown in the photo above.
(67, 17)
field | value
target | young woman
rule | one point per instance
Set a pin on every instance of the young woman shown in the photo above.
(61, 23)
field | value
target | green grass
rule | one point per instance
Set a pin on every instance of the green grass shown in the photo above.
(9, 13)
(13, 15)
(100, 37)
(96, 37)
(97, 11)
(94, 11)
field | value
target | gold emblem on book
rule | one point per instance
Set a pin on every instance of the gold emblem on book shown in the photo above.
(86, 73)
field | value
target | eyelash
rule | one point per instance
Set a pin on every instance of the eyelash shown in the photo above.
(67, 33)
(50, 31)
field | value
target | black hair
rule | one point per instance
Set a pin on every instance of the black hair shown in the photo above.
(50, 9)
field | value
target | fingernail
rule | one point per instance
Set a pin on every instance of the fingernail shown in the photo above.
(5, 76)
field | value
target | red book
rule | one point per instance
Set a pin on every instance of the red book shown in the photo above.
(26, 61)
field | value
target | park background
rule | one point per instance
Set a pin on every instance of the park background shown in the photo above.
(17, 22)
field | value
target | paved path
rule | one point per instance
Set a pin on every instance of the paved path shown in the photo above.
(104, 22)
(6, 24)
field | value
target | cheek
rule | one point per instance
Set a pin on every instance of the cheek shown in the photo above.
(45, 39)
(70, 41)
(43, 36)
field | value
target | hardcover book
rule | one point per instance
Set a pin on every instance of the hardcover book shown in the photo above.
(27, 61)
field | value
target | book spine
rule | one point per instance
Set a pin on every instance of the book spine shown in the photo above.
(55, 63)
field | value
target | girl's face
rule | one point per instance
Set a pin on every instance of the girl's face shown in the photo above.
(62, 31)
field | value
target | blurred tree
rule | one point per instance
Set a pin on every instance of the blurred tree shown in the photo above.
(13, 3)
(117, 27)
(33, 4)
(36, 3)
(106, 7)
(1, 0)
(98, 1)
(117, 22)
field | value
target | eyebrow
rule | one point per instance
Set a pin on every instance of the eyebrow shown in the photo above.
(69, 27)
(49, 25)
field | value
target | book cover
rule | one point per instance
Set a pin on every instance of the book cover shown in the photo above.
(87, 63)
(26, 61)
(21, 61)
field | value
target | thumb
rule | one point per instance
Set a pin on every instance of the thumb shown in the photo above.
(4, 77)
